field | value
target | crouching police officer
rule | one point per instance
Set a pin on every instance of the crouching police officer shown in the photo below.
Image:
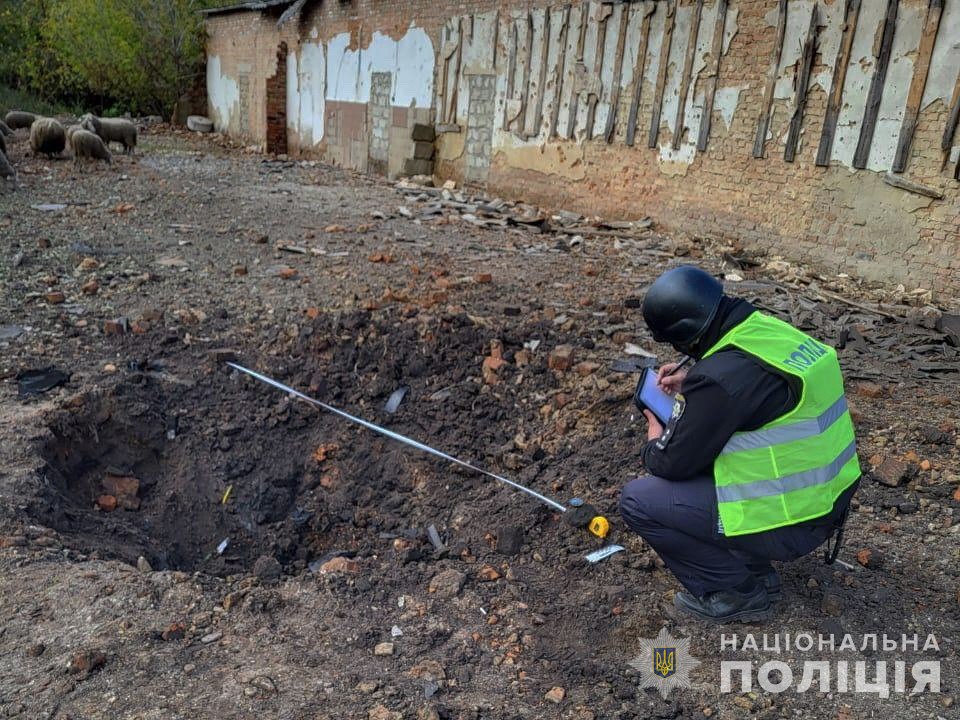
(758, 461)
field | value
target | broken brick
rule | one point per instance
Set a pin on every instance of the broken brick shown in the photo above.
(116, 327)
(124, 488)
(560, 400)
(86, 661)
(239, 270)
(587, 367)
(863, 557)
(488, 573)
(555, 695)
(335, 228)
(175, 631)
(91, 287)
(891, 472)
(869, 389)
(561, 358)
(482, 278)
(313, 313)
(107, 503)
(55, 297)
(340, 565)
(287, 273)
(88, 263)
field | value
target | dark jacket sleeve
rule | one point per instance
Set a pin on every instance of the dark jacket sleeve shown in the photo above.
(709, 417)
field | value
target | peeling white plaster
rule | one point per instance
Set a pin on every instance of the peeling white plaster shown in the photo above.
(899, 74)
(725, 102)
(306, 91)
(946, 57)
(223, 94)
(409, 60)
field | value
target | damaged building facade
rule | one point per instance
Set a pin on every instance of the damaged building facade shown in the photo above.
(819, 130)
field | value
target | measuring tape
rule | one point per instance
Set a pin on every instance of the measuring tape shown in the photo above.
(598, 525)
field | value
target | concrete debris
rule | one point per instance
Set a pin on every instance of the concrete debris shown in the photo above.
(439, 204)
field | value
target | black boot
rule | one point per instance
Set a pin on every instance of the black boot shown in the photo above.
(773, 586)
(749, 604)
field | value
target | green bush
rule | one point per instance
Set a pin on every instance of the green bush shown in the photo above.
(132, 55)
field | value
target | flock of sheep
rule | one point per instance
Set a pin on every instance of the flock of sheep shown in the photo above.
(87, 140)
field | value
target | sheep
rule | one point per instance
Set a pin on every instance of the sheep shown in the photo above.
(6, 169)
(47, 137)
(70, 130)
(17, 119)
(88, 145)
(111, 130)
(5, 129)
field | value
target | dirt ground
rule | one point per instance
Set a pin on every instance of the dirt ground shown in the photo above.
(180, 541)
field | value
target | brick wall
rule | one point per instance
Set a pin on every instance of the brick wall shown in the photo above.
(836, 218)
(276, 104)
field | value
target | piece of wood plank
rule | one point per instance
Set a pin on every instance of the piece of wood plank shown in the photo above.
(542, 79)
(713, 75)
(442, 90)
(639, 67)
(665, 43)
(525, 90)
(687, 72)
(578, 68)
(763, 122)
(900, 182)
(946, 143)
(875, 95)
(560, 73)
(802, 83)
(593, 98)
(832, 114)
(617, 73)
(921, 68)
(511, 74)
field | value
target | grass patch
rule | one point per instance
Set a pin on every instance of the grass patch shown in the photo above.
(14, 99)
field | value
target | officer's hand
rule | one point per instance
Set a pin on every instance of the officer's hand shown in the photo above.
(654, 428)
(670, 383)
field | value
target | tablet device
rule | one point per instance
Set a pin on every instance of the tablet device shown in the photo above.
(650, 397)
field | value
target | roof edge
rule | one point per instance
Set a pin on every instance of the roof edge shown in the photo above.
(256, 5)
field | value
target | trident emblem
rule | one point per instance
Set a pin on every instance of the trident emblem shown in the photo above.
(664, 661)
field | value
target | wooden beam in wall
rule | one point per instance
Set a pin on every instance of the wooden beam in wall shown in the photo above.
(511, 74)
(763, 122)
(662, 73)
(869, 124)
(617, 74)
(952, 118)
(921, 68)
(832, 114)
(802, 81)
(713, 74)
(525, 90)
(639, 68)
(685, 78)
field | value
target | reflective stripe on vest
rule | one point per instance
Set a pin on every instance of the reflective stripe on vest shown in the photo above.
(787, 483)
(753, 439)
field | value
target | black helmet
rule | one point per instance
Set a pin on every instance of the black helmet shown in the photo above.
(681, 304)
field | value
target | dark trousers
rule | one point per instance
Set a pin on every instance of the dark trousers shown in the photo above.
(679, 521)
